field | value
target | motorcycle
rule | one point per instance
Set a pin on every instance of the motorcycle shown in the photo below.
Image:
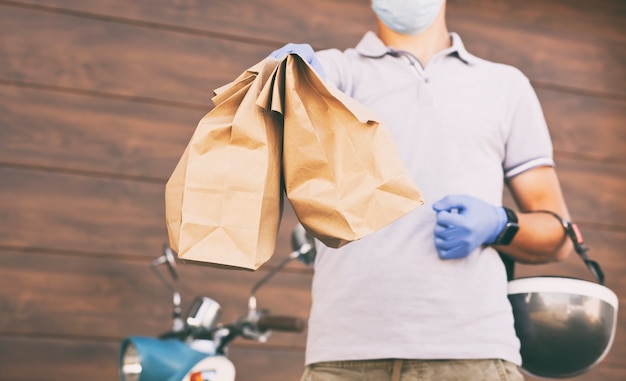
(196, 346)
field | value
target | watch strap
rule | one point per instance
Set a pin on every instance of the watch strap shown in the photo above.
(510, 229)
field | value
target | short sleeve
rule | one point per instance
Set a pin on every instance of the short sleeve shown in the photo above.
(528, 144)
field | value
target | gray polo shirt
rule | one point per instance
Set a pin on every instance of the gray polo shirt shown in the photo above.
(462, 125)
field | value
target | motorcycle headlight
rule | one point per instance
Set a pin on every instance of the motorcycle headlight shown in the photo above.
(130, 368)
(153, 359)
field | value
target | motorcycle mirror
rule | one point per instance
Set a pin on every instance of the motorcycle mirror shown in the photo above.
(303, 243)
(168, 258)
(303, 247)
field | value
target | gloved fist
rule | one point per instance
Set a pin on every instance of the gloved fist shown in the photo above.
(303, 50)
(464, 223)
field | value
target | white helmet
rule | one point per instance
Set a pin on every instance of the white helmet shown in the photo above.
(566, 326)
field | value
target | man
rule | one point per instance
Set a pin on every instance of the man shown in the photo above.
(425, 298)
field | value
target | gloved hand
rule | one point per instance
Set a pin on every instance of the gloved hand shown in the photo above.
(464, 223)
(303, 50)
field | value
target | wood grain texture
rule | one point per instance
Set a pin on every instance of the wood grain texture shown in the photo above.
(25, 358)
(62, 295)
(543, 40)
(118, 137)
(594, 191)
(78, 213)
(536, 36)
(92, 135)
(119, 59)
(139, 143)
(585, 126)
(322, 23)
(99, 99)
(72, 212)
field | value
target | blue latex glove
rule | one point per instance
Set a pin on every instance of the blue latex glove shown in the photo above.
(303, 50)
(464, 223)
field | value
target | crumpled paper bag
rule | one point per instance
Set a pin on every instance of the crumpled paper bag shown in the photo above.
(278, 122)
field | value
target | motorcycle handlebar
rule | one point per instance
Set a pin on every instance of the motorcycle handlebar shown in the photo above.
(281, 323)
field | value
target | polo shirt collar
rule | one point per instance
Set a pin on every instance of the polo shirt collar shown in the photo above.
(371, 46)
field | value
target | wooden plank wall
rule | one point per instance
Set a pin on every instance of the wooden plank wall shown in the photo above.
(98, 99)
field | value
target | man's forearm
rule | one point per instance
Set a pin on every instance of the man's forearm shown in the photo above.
(540, 239)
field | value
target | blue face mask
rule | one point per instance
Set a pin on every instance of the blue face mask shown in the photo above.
(407, 16)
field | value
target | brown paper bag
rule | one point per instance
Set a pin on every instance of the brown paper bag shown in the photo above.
(343, 174)
(223, 200)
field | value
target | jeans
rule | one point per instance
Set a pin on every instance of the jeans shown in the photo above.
(413, 370)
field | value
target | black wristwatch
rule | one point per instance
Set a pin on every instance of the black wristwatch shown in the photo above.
(510, 229)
